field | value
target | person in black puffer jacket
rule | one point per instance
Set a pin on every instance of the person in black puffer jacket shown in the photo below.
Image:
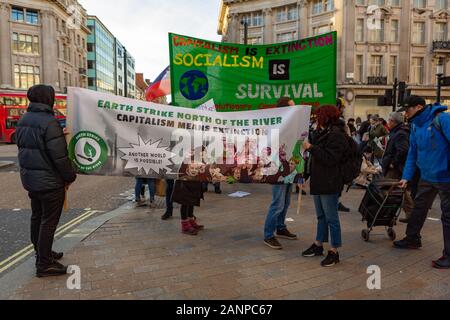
(327, 181)
(45, 171)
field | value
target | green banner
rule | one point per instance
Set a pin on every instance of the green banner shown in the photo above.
(240, 77)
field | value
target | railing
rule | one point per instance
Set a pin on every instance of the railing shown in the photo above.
(377, 81)
(441, 45)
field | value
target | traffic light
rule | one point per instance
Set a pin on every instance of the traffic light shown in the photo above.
(387, 99)
(402, 93)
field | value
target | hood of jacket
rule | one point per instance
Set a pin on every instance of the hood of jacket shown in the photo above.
(42, 94)
(428, 114)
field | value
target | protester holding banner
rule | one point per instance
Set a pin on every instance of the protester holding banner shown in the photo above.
(140, 183)
(169, 202)
(46, 173)
(281, 200)
(188, 192)
(327, 182)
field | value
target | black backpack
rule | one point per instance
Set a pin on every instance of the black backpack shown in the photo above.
(351, 165)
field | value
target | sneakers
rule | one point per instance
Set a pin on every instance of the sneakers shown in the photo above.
(186, 228)
(53, 270)
(313, 251)
(343, 208)
(273, 243)
(331, 260)
(140, 203)
(408, 244)
(285, 234)
(442, 263)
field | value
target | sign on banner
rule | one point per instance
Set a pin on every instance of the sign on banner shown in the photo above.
(112, 135)
(251, 77)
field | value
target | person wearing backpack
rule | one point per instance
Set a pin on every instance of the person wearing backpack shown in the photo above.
(329, 152)
(430, 152)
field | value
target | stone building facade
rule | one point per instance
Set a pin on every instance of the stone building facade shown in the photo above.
(43, 42)
(379, 41)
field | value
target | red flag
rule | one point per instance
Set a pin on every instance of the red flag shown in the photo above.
(161, 86)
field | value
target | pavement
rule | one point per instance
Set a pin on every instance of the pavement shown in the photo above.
(132, 254)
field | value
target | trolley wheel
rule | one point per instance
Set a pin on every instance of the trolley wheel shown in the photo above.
(391, 233)
(365, 235)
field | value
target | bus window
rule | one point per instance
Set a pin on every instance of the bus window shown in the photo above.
(11, 123)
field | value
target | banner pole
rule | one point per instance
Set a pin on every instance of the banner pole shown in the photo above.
(299, 202)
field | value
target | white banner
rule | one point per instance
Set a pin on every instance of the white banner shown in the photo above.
(112, 135)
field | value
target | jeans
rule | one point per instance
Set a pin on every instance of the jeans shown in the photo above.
(151, 186)
(169, 191)
(46, 211)
(276, 218)
(328, 219)
(426, 195)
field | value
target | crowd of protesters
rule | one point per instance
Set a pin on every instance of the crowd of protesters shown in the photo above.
(412, 146)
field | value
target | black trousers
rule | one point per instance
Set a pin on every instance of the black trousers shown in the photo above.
(169, 191)
(425, 197)
(187, 212)
(47, 208)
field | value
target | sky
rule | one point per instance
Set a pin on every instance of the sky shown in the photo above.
(142, 26)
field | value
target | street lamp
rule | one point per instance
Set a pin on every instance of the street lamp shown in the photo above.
(245, 24)
(439, 74)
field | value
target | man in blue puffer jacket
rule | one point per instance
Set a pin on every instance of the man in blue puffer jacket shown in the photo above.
(430, 152)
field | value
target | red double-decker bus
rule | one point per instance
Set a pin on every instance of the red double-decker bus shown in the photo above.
(14, 104)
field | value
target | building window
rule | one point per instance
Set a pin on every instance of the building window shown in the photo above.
(25, 43)
(321, 30)
(393, 69)
(361, 2)
(418, 33)
(17, 14)
(394, 31)
(360, 30)
(32, 17)
(376, 66)
(359, 68)
(379, 3)
(287, 14)
(254, 40)
(421, 4)
(320, 6)
(441, 4)
(417, 71)
(286, 37)
(377, 35)
(440, 33)
(26, 76)
(253, 19)
(395, 3)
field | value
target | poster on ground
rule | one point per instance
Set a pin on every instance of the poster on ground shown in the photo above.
(117, 136)
(251, 77)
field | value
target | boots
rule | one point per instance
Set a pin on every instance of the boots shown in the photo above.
(186, 228)
(194, 224)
